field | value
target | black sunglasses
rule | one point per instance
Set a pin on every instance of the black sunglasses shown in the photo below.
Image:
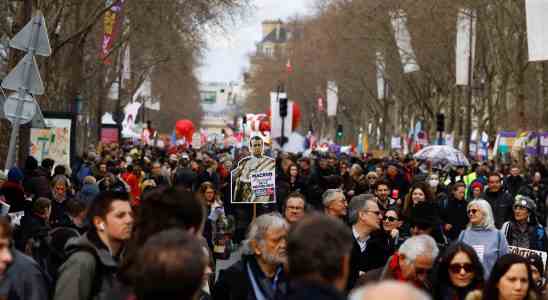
(390, 219)
(456, 268)
(473, 211)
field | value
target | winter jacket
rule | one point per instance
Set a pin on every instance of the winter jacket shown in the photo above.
(536, 235)
(15, 196)
(36, 183)
(374, 256)
(539, 196)
(501, 203)
(455, 214)
(234, 283)
(89, 272)
(24, 280)
(32, 226)
(88, 193)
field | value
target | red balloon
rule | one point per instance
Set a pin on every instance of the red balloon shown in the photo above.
(184, 128)
(264, 125)
(296, 115)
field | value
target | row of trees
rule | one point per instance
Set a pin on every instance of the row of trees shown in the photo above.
(165, 38)
(340, 40)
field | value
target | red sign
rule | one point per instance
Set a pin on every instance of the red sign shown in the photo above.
(109, 135)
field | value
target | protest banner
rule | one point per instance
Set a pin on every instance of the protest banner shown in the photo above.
(524, 252)
(253, 180)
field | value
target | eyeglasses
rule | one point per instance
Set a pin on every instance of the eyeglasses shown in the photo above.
(456, 268)
(516, 207)
(390, 219)
(472, 211)
(372, 178)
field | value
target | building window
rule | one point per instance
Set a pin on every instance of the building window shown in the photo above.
(268, 51)
(208, 97)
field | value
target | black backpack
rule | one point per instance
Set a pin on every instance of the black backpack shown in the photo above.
(48, 249)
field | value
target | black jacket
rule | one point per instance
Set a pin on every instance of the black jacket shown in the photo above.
(501, 203)
(32, 226)
(308, 290)
(36, 183)
(234, 283)
(375, 256)
(539, 196)
(454, 213)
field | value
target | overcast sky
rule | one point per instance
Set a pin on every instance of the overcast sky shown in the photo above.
(228, 51)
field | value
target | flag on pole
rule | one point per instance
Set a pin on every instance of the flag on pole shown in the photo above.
(466, 45)
(537, 39)
(403, 41)
(289, 67)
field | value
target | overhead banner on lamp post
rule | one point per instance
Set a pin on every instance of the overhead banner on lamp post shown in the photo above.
(403, 41)
(537, 39)
(332, 98)
(465, 46)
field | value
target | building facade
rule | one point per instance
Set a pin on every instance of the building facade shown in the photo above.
(221, 103)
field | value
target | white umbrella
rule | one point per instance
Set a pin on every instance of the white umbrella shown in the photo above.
(443, 154)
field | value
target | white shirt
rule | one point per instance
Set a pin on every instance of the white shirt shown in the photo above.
(361, 242)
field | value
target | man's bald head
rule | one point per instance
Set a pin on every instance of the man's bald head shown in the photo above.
(389, 290)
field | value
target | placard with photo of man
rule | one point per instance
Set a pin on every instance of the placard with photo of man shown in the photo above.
(253, 180)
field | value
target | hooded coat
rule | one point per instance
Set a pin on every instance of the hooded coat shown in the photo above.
(89, 272)
(24, 280)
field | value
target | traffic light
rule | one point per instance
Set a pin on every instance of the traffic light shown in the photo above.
(283, 107)
(440, 122)
(339, 131)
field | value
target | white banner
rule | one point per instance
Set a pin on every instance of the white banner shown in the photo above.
(332, 98)
(381, 68)
(537, 22)
(466, 26)
(403, 41)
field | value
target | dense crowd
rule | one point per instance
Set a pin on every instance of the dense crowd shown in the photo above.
(131, 222)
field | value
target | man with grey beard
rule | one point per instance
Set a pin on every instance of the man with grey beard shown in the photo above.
(259, 274)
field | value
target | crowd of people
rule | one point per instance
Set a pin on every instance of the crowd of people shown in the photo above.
(132, 222)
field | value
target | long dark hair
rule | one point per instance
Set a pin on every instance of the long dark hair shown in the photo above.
(162, 209)
(440, 274)
(502, 266)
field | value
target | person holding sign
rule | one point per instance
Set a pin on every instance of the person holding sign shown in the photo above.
(481, 234)
(253, 180)
(523, 230)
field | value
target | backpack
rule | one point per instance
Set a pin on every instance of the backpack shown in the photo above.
(48, 250)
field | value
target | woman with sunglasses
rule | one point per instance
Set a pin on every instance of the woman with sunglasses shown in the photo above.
(391, 224)
(456, 273)
(481, 234)
(523, 230)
